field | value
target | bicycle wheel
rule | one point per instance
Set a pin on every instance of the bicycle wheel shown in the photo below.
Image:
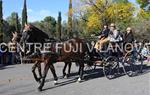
(111, 67)
(132, 63)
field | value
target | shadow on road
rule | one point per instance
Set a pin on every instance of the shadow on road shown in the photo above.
(88, 75)
(145, 70)
(5, 67)
(62, 84)
(92, 74)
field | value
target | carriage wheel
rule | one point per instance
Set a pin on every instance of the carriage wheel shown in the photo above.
(132, 63)
(111, 67)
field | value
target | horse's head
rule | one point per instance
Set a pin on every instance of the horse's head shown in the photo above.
(26, 34)
(33, 34)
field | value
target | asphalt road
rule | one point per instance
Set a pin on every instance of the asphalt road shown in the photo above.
(18, 80)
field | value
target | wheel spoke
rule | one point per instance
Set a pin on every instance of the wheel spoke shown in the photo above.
(110, 67)
(132, 64)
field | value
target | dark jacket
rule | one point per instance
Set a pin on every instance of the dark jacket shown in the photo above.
(104, 33)
(128, 37)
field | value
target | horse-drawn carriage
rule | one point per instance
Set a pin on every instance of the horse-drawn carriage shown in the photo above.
(131, 62)
(117, 62)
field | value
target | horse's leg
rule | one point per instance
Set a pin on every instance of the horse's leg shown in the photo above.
(81, 71)
(33, 71)
(39, 70)
(69, 69)
(52, 68)
(46, 68)
(64, 69)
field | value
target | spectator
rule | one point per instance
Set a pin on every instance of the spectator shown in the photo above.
(145, 52)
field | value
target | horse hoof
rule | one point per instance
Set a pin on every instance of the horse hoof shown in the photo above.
(64, 75)
(67, 76)
(79, 80)
(55, 82)
(39, 89)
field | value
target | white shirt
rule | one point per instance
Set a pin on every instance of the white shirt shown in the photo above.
(114, 37)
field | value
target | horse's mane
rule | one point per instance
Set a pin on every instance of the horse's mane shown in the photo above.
(39, 32)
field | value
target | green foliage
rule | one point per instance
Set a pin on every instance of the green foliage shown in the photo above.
(17, 23)
(59, 28)
(120, 1)
(24, 14)
(124, 14)
(48, 25)
(8, 29)
(13, 20)
(92, 15)
(11, 24)
(142, 14)
(70, 14)
(121, 14)
(144, 4)
(142, 29)
(64, 29)
(103, 12)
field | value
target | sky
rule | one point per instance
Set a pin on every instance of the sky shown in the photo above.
(38, 9)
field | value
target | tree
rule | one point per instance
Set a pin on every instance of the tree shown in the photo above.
(1, 22)
(8, 29)
(121, 1)
(47, 25)
(59, 26)
(17, 24)
(143, 14)
(70, 14)
(141, 24)
(92, 13)
(121, 13)
(100, 12)
(13, 20)
(64, 29)
(24, 14)
(142, 29)
(144, 4)
(11, 24)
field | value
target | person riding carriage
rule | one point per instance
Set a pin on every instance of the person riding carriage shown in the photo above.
(103, 35)
(128, 39)
(108, 35)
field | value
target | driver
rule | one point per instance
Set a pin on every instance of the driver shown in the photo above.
(103, 37)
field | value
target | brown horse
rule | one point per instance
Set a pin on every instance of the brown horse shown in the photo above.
(37, 59)
(77, 51)
(16, 40)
